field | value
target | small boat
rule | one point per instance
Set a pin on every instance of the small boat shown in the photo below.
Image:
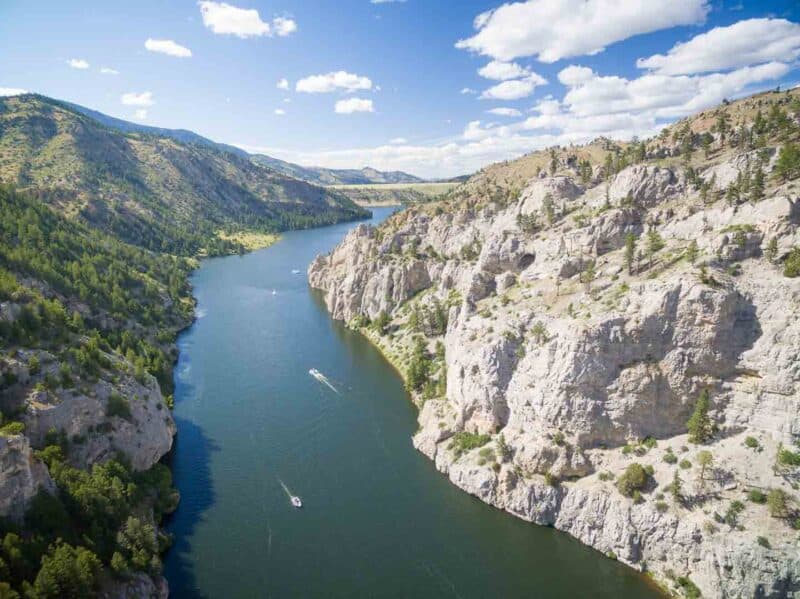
(295, 272)
(274, 292)
(296, 501)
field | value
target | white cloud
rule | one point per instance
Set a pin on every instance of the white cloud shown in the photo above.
(575, 75)
(279, 111)
(12, 91)
(661, 96)
(754, 41)
(226, 19)
(140, 114)
(109, 71)
(284, 26)
(501, 71)
(556, 29)
(78, 63)
(468, 91)
(167, 47)
(351, 105)
(330, 82)
(282, 84)
(138, 99)
(505, 112)
(397, 141)
(514, 89)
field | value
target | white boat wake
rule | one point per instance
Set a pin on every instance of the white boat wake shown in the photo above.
(293, 499)
(323, 379)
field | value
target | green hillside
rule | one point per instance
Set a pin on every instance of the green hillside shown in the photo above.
(81, 309)
(151, 190)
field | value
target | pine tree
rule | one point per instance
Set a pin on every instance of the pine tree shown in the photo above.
(692, 251)
(630, 251)
(699, 424)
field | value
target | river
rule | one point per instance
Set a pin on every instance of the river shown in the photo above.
(378, 520)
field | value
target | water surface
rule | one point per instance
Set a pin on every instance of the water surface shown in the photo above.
(378, 520)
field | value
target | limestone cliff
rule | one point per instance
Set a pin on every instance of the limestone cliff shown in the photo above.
(560, 330)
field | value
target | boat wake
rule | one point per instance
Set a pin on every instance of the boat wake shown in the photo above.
(293, 499)
(323, 379)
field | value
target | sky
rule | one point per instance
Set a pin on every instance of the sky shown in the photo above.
(437, 88)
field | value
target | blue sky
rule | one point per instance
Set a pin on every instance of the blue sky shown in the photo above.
(554, 71)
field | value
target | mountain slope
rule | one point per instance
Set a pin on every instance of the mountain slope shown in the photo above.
(151, 190)
(316, 175)
(87, 330)
(605, 339)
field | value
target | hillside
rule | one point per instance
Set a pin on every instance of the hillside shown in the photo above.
(326, 176)
(316, 175)
(604, 339)
(148, 189)
(87, 330)
(392, 194)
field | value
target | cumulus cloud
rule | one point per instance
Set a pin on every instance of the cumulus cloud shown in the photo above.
(754, 41)
(556, 29)
(143, 99)
(108, 71)
(78, 63)
(12, 91)
(514, 89)
(468, 91)
(330, 82)
(168, 47)
(284, 26)
(505, 112)
(664, 96)
(351, 105)
(501, 71)
(140, 114)
(279, 111)
(282, 84)
(226, 19)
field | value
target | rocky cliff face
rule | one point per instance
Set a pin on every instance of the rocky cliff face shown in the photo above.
(568, 357)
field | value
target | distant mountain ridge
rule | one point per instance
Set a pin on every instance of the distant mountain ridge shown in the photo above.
(312, 174)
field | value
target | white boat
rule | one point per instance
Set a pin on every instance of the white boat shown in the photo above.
(296, 501)
(274, 292)
(295, 272)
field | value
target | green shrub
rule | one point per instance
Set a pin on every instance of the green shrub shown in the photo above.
(751, 442)
(757, 496)
(464, 441)
(777, 503)
(791, 267)
(633, 479)
(690, 589)
(763, 541)
(118, 406)
(685, 464)
(12, 428)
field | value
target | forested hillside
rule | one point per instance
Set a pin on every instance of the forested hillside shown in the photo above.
(149, 190)
(87, 325)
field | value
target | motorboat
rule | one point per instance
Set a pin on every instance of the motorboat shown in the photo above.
(296, 501)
